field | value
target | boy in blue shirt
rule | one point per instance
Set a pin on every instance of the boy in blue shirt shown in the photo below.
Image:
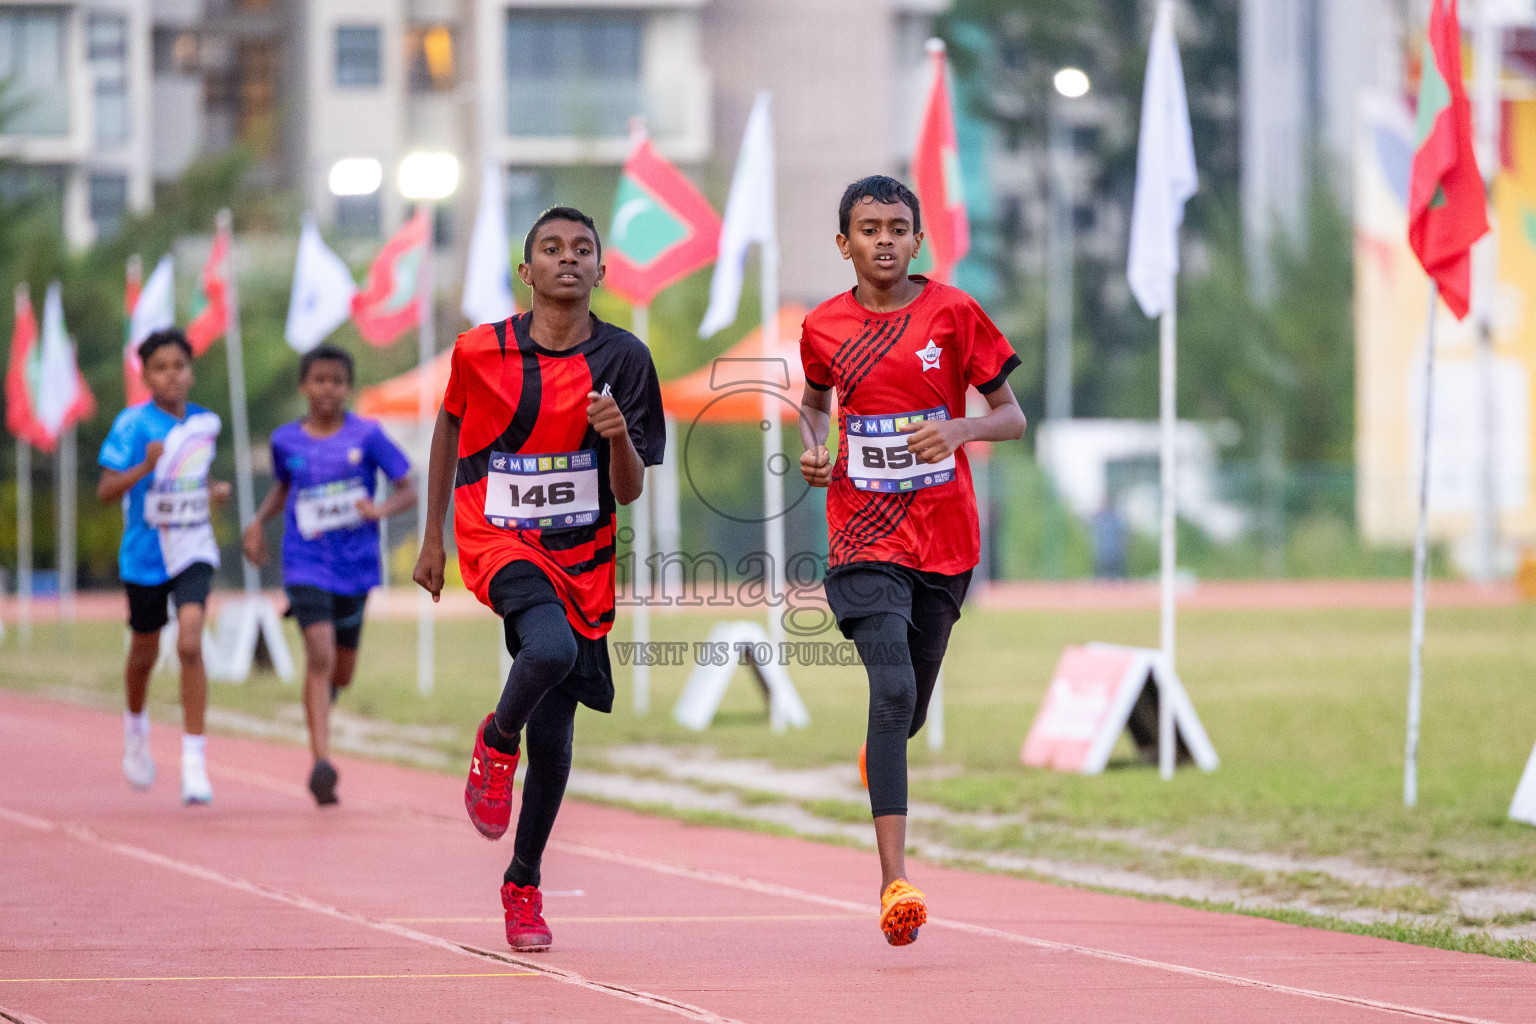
(323, 466)
(155, 460)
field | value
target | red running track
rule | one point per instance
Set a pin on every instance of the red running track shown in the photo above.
(122, 906)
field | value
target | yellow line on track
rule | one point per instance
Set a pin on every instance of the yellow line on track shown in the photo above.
(636, 920)
(283, 977)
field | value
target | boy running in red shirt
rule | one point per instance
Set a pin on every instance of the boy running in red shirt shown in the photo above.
(901, 514)
(549, 422)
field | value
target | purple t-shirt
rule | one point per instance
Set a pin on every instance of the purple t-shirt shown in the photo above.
(326, 544)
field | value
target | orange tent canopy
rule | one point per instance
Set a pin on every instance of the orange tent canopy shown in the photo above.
(729, 389)
(399, 398)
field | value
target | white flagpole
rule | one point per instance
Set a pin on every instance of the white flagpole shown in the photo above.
(773, 441)
(239, 420)
(24, 542)
(641, 545)
(1420, 557)
(68, 505)
(426, 415)
(1169, 566)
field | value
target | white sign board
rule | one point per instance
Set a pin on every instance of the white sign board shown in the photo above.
(730, 645)
(1523, 807)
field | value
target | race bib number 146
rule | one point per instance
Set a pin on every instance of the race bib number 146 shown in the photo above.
(878, 458)
(542, 492)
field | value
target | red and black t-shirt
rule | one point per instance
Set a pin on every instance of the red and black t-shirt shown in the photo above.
(515, 398)
(886, 367)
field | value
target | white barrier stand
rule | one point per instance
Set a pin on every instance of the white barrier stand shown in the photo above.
(242, 626)
(936, 715)
(1523, 807)
(743, 643)
(1099, 691)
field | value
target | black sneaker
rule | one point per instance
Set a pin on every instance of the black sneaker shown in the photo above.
(322, 783)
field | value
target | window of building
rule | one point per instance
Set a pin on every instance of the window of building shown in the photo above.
(109, 203)
(357, 56)
(32, 66)
(256, 119)
(573, 72)
(107, 50)
(175, 52)
(529, 193)
(358, 216)
(430, 56)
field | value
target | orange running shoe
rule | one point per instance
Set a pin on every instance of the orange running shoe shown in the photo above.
(863, 770)
(902, 912)
(488, 790)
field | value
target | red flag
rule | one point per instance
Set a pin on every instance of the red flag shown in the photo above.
(936, 176)
(23, 374)
(388, 306)
(133, 369)
(1447, 207)
(210, 308)
(663, 229)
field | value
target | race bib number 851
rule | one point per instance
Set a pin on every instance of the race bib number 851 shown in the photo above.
(878, 457)
(542, 492)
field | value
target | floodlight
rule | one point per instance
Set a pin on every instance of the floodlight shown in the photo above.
(1072, 83)
(355, 176)
(429, 176)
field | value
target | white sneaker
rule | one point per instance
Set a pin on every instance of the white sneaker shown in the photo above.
(195, 787)
(138, 762)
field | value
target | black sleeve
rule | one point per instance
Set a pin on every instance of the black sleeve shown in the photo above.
(638, 392)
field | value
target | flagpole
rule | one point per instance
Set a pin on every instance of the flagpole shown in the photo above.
(641, 545)
(425, 417)
(67, 486)
(24, 541)
(1169, 562)
(1420, 558)
(239, 420)
(773, 456)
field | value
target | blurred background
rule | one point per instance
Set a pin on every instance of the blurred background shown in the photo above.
(125, 124)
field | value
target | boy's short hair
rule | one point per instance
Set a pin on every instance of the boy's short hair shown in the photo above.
(161, 338)
(882, 189)
(569, 213)
(326, 351)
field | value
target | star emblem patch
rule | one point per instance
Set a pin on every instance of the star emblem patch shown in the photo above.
(930, 356)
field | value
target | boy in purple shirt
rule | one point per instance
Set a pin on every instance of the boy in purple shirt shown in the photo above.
(323, 466)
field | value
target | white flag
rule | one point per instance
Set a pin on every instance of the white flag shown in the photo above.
(1165, 172)
(749, 217)
(321, 300)
(156, 308)
(60, 382)
(488, 272)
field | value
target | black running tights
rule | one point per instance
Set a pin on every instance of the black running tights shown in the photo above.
(903, 666)
(533, 700)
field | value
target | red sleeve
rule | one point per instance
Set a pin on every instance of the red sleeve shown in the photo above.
(989, 357)
(817, 373)
(453, 398)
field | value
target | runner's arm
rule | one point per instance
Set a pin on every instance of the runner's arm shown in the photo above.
(442, 468)
(815, 428)
(626, 471)
(937, 440)
(402, 497)
(253, 543)
(114, 484)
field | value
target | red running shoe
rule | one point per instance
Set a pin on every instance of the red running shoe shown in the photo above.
(527, 931)
(488, 791)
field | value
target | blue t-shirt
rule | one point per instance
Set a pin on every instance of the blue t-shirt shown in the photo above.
(325, 544)
(138, 558)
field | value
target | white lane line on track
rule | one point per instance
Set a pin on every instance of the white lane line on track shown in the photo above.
(17, 1017)
(89, 837)
(774, 889)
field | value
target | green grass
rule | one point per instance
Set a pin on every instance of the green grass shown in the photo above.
(1306, 710)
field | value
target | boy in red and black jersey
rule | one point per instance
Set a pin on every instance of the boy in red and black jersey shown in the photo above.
(548, 423)
(901, 513)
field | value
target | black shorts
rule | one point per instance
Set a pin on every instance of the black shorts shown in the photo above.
(929, 601)
(311, 605)
(146, 604)
(518, 586)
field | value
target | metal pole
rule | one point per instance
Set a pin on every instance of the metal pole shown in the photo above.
(1488, 48)
(1420, 557)
(426, 414)
(24, 544)
(1169, 568)
(66, 527)
(640, 546)
(774, 462)
(1059, 283)
(245, 500)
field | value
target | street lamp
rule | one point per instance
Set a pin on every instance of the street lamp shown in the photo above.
(426, 179)
(1071, 84)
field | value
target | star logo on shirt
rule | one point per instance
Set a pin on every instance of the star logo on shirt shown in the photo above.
(930, 356)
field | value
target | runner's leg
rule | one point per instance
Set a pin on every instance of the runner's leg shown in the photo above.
(194, 675)
(546, 652)
(551, 729)
(320, 658)
(143, 652)
(882, 643)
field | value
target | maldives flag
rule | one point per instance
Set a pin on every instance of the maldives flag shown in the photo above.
(388, 306)
(210, 306)
(1447, 208)
(23, 374)
(662, 230)
(936, 176)
(133, 368)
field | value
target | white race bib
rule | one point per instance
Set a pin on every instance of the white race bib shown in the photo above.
(179, 509)
(542, 492)
(326, 507)
(878, 459)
